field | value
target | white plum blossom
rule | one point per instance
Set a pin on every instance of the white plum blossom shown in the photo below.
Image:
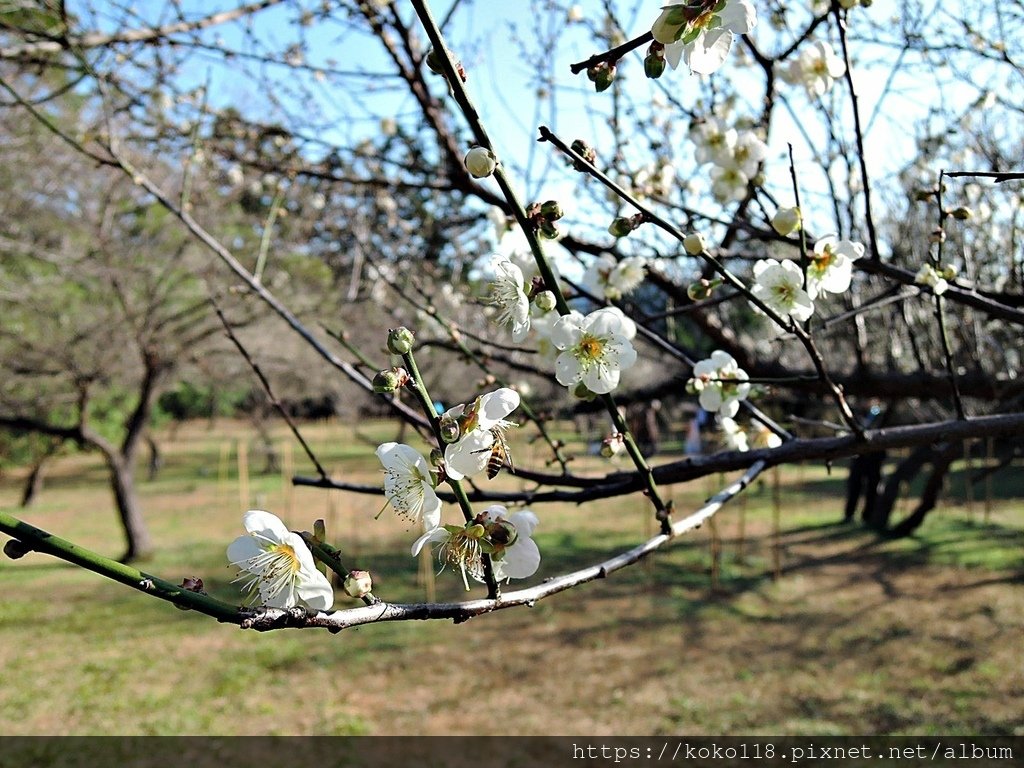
(733, 436)
(505, 537)
(720, 383)
(594, 349)
(927, 275)
(611, 279)
(701, 33)
(764, 437)
(477, 423)
(748, 153)
(277, 565)
(728, 183)
(409, 485)
(714, 141)
(816, 69)
(831, 265)
(508, 296)
(459, 547)
(519, 558)
(780, 286)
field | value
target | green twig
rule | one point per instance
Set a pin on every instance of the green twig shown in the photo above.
(35, 539)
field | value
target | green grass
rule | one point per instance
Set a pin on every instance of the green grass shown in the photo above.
(858, 635)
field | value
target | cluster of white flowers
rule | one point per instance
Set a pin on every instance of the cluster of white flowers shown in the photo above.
(720, 384)
(610, 279)
(782, 287)
(736, 154)
(929, 276)
(409, 485)
(816, 69)
(735, 439)
(701, 33)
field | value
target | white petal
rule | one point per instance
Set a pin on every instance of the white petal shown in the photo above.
(437, 534)
(431, 508)
(601, 379)
(265, 525)
(243, 549)
(711, 398)
(495, 406)
(709, 51)
(567, 331)
(674, 54)
(469, 455)
(739, 16)
(567, 369)
(521, 560)
(524, 520)
(315, 590)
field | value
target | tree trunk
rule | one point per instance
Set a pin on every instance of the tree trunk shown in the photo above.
(139, 540)
(34, 483)
(156, 460)
(940, 457)
(940, 466)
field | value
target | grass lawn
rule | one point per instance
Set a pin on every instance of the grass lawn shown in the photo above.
(855, 635)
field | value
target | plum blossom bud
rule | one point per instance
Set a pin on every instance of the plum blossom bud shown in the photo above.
(585, 151)
(654, 61)
(547, 230)
(434, 62)
(938, 235)
(390, 380)
(551, 210)
(545, 301)
(574, 13)
(580, 392)
(450, 430)
(694, 244)
(948, 272)
(702, 289)
(786, 221)
(400, 340)
(963, 213)
(480, 162)
(602, 75)
(358, 584)
(620, 227)
(613, 445)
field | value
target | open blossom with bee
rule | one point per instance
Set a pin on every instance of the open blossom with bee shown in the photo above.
(475, 429)
(505, 537)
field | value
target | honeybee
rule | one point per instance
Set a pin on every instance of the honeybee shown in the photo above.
(500, 454)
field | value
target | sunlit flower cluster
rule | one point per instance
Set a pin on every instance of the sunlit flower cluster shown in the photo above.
(610, 279)
(927, 275)
(700, 34)
(736, 155)
(473, 432)
(816, 69)
(720, 383)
